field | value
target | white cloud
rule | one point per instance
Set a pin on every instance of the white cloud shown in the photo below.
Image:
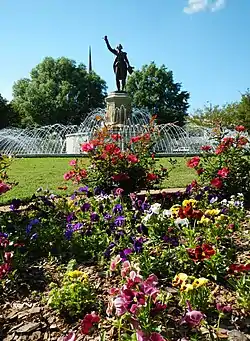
(195, 6)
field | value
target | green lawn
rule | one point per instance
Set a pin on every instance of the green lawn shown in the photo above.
(32, 173)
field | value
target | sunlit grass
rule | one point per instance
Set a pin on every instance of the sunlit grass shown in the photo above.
(32, 173)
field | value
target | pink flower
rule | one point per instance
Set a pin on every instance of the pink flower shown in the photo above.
(4, 187)
(88, 321)
(72, 162)
(126, 267)
(87, 147)
(114, 263)
(70, 337)
(193, 317)
(69, 175)
(224, 308)
(119, 304)
(132, 158)
(216, 182)
(135, 277)
(119, 191)
(4, 269)
(240, 128)
(141, 336)
(194, 162)
(223, 172)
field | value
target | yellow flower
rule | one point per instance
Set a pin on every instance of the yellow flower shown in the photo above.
(199, 282)
(221, 217)
(189, 202)
(186, 287)
(179, 279)
(175, 209)
(212, 212)
(76, 274)
(204, 220)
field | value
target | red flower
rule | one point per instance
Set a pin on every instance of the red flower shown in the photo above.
(223, 172)
(242, 141)
(132, 158)
(206, 148)
(216, 182)
(201, 252)
(4, 269)
(116, 137)
(4, 187)
(239, 267)
(69, 175)
(152, 177)
(112, 148)
(200, 171)
(88, 321)
(135, 139)
(87, 147)
(120, 177)
(192, 163)
(240, 128)
(83, 173)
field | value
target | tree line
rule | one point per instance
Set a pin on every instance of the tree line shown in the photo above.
(62, 91)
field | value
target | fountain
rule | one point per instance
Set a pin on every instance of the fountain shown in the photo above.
(119, 115)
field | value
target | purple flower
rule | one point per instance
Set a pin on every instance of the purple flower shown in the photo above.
(107, 216)
(118, 209)
(68, 234)
(34, 221)
(77, 226)
(138, 244)
(193, 317)
(120, 221)
(70, 217)
(15, 204)
(84, 189)
(124, 253)
(145, 206)
(73, 196)
(28, 228)
(94, 216)
(85, 207)
(224, 308)
(171, 240)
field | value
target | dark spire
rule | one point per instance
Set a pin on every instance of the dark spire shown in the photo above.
(90, 60)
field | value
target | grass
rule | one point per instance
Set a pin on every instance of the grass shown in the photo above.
(32, 173)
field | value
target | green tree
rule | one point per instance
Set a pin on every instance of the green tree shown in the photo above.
(8, 116)
(227, 116)
(58, 91)
(154, 88)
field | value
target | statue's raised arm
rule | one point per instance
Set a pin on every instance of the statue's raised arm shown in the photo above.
(109, 47)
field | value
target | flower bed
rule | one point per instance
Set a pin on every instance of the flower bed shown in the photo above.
(105, 265)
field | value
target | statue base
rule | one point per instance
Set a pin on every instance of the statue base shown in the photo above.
(118, 108)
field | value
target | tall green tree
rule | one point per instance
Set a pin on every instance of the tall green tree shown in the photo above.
(58, 91)
(154, 88)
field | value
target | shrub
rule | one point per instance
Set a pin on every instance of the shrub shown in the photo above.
(131, 168)
(227, 168)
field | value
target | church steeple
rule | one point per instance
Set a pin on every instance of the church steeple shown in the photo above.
(90, 60)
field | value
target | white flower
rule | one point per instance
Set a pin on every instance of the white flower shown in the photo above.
(155, 208)
(167, 213)
(182, 222)
(146, 218)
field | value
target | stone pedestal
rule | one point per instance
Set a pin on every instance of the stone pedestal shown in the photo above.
(118, 108)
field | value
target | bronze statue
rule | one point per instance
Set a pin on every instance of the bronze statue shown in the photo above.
(121, 65)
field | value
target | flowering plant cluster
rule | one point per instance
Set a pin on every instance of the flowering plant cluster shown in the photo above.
(130, 165)
(137, 304)
(4, 185)
(227, 167)
(74, 296)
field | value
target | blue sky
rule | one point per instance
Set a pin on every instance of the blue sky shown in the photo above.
(204, 42)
